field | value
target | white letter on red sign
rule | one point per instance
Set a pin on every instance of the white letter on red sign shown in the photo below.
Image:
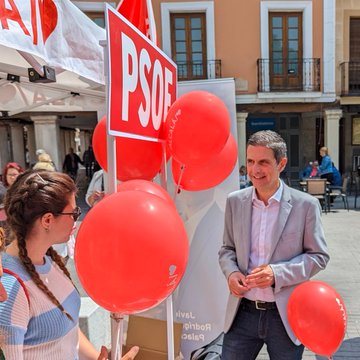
(167, 96)
(129, 80)
(158, 79)
(144, 114)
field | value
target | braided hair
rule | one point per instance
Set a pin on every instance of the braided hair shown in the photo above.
(33, 194)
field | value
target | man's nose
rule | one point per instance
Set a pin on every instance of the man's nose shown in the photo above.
(256, 167)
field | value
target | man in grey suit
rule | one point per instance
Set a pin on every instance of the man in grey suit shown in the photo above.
(273, 241)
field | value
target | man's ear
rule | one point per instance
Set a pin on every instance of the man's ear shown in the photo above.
(282, 164)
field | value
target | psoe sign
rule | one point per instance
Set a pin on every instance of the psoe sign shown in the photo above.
(142, 81)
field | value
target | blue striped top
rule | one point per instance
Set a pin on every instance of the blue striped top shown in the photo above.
(37, 329)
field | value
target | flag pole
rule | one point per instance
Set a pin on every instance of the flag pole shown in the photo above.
(152, 26)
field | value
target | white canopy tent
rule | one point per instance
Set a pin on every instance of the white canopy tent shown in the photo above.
(61, 37)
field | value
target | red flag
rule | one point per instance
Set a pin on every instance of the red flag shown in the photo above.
(140, 14)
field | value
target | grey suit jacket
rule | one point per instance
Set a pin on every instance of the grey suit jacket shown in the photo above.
(298, 249)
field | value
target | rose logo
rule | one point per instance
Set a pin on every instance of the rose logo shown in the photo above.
(47, 12)
(48, 16)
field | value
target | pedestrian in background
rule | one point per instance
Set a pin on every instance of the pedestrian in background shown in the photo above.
(88, 160)
(10, 172)
(273, 240)
(42, 155)
(44, 163)
(326, 165)
(243, 177)
(71, 164)
(314, 173)
(305, 173)
(39, 152)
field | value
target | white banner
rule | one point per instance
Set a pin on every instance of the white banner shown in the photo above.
(200, 300)
(57, 32)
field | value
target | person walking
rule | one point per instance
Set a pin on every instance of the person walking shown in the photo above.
(71, 164)
(273, 240)
(40, 319)
(88, 160)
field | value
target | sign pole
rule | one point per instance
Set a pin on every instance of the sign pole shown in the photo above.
(169, 302)
(117, 320)
(170, 327)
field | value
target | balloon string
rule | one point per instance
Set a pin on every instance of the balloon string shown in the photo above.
(177, 189)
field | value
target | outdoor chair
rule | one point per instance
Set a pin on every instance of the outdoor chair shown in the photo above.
(318, 189)
(335, 191)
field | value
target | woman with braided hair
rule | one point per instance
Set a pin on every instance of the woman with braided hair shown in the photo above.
(39, 320)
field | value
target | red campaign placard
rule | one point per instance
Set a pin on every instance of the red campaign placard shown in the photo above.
(142, 81)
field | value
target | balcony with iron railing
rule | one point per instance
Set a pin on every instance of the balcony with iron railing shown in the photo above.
(198, 70)
(350, 78)
(288, 75)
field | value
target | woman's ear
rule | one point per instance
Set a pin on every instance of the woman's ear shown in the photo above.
(46, 220)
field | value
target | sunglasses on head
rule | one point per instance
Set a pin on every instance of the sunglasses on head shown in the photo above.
(75, 213)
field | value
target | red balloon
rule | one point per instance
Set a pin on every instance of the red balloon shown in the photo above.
(197, 127)
(147, 186)
(135, 159)
(317, 316)
(127, 256)
(213, 172)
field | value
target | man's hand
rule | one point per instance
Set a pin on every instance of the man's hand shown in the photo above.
(260, 277)
(237, 284)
